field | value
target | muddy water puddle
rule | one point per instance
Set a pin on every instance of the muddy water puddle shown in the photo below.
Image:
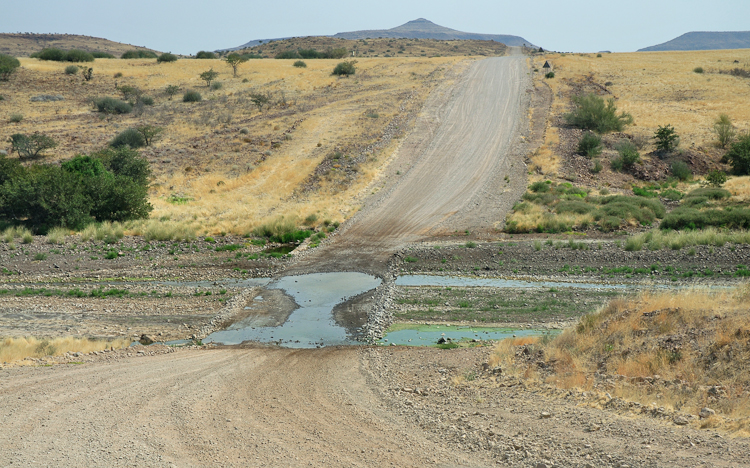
(311, 323)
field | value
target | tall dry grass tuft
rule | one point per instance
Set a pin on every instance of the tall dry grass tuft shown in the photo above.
(159, 230)
(684, 349)
(16, 349)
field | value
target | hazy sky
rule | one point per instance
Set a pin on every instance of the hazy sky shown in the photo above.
(186, 26)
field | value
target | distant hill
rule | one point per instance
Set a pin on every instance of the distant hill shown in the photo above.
(417, 29)
(424, 29)
(702, 40)
(21, 45)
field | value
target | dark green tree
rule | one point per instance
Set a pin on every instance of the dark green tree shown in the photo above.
(234, 60)
(209, 76)
(666, 139)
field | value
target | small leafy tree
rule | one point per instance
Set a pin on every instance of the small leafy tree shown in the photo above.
(666, 139)
(260, 100)
(166, 57)
(739, 155)
(345, 68)
(171, 90)
(592, 113)
(150, 133)
(87, 73)
(716, 178)
(209, 76)
(724, 130)
(8, 66)
(30, 146)
(234, 60)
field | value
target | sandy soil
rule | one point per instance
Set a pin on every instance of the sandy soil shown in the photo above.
(330, 407)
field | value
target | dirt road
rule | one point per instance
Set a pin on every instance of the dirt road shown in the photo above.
(453, 172)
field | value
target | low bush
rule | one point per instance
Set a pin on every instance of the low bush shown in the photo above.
(8, 66)
(345, 68)
(716, 178)
(539, 187)
(549, 75)
(592, 113)
(691, 218)
(108, 105)
(15, 118)
(130, 137)
(50, 53)
(288, 54)
(205, 55)
(102, 55)
(724, 130)
(681, 170)
(738, 155)
(299, 64)
(216, 85)
(76, 55)
(590, 145)
(711, 193)
(138, 54)
(628, 155)
(71, 69)
(166, 58)
(698, 69)
(192, 96)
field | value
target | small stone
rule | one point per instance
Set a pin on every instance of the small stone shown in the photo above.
(545, 415)
(706, 412)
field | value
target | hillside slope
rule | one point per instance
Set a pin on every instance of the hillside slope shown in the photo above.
(21, 45)
(703, 40)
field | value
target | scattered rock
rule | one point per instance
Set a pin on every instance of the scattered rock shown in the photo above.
(146, 340)
(47, 98)
(706, 412)
(680, 421)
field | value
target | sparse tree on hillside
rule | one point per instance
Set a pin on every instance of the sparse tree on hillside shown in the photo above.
(8, 65)
(149, 132)
(30, 146)
(209, 76)
(171, 90)
(234, 60)
(260, 100)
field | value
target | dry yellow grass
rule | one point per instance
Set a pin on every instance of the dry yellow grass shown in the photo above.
(234, 180)
(16, 349)
(699, 338)
(660, 88)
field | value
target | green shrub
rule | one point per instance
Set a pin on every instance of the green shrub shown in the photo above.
(15, 118)
(130, 137)
(138, 54)
(8, 66)
(345, 68)
(716, 178)
(76, 55)
(216, 85)
(539, 187)
(71, 69)
(724, 130)
(147, 101)
(208, 76)
(691, 218)
(171, 90)
(698, 69)
(596, 167)
(288, 54)
(299, 64)
(31, 146)
(590, 145)
(50, 53)
(681, 170)
(672, 194)
(574, 206)
(192, 96)
(110, 105)
(739, 155)
(591, 113)
(166, 58)
(712, 193)
(205, 55)
(549, 75)
(102, 55)
(666, 139)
